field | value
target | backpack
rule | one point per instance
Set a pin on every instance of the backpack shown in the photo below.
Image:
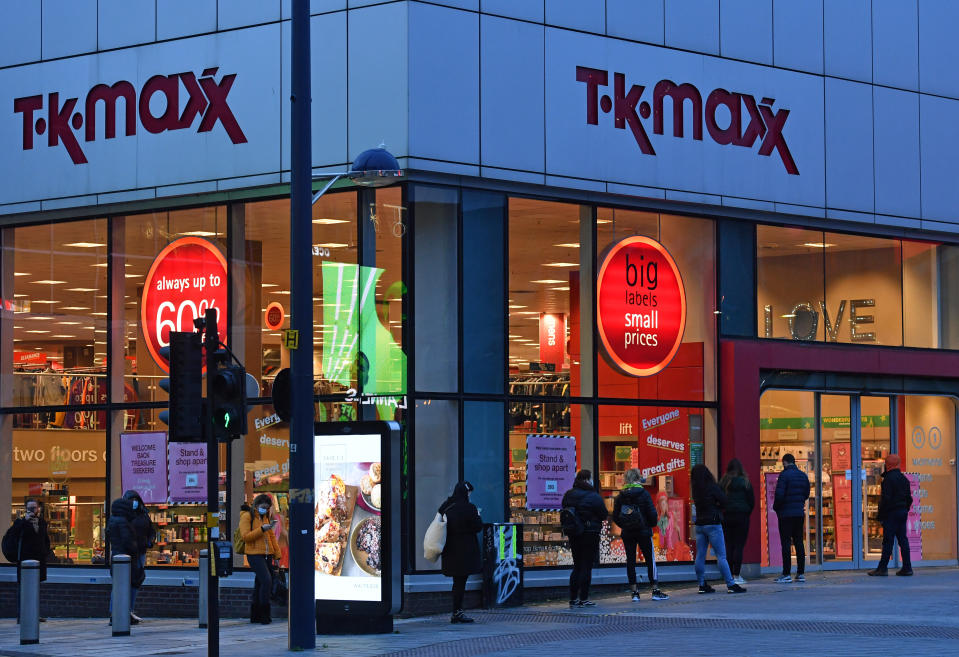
(573, 525)
(239, 545)
(11, 545)
(630, 517)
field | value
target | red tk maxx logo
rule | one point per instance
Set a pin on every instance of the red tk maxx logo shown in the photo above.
(764, 124)
(206, 99)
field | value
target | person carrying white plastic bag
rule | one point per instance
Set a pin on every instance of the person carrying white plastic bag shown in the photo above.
(435, 539)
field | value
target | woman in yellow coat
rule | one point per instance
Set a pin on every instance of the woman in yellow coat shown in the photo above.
(256, 526)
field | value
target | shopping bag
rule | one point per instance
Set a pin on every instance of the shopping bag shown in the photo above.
(435, 539)
(280, 590)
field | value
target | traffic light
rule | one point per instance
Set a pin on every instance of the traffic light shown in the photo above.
(229, 402)
(185, 357)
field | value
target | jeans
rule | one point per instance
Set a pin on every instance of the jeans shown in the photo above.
(645, 544)
(142, 560)
(894, 527)
(585, 549)
(459, 590)
(735, 530)
(263, 582)
(711, 535)
(792, 530)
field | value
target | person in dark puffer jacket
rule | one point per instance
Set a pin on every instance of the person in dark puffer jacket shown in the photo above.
(638, 532)
(792, 491)
(123, 540)
(894, 505)
(146, 538)
(740, 501)
(591, 510)
(461, 553)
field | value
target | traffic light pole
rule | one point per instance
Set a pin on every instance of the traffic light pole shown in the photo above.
(212, 344)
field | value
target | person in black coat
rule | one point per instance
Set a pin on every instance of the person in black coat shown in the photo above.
(123, 540)
(740, 502)
(591, 510)
(461, 553)
(30, 535)
(145, 536)
(710, 502)
(792, 491)
(636, 524)
(894, 505)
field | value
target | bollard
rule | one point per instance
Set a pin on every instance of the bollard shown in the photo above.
(29, 602)
(203, 582)
(120, 574)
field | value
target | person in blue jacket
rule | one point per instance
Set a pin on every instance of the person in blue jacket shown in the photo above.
(792, 492)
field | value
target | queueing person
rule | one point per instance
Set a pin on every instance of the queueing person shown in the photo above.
(792, 491)
(589, 508)
(28, 539)
(146, 538)
(256, 527)
(710, 502)
(461, 552)
(635, 515)
(123, 540)
(894, 505)
(740, 501)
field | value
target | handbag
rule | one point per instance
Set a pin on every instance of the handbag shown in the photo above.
(435, 539)
(279, 590)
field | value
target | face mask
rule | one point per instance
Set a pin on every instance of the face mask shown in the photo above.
(590, 482)
(263, 510)
(136, 505)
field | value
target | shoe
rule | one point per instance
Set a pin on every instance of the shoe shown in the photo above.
(134, 619)
(903, 572)
(659, 595)
(739, 579)
(254, 612)
(574, 604)
(877, 572)
(784, 579)
(265, 616)
(800, 578)
(706, 588)
(735, 588)
(635, 596)
(587, 603)
(44, 620)
(459, 617)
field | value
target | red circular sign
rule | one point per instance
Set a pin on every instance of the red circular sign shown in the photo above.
(187, 277)
(640, 306)
(274, 316)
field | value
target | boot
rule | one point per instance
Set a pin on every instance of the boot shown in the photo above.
(459, 617)
(265, 616)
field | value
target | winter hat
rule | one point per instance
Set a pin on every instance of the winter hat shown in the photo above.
(892, 461)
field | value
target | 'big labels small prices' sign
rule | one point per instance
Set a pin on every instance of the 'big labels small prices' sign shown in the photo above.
(641, 306)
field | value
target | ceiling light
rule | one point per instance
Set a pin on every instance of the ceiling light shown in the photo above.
(561, 264)
(332, 245)
(37, 331)
(280, 292)
(561, 288)
(99, 314)
(327, 222)
(21, 273)
(133, 275)
(89, 328)
(46, 301)
(199, 233)
(99, 330)
(74, 308)
(269, 285)
(85, 245)
(604, 221)
(19, 296)
(63, 336)
(69, 323)
(99, 342)
(818, 245)
(47, 281)
(82, 289)
(527, 312)
(517, 306)
(568, 245)
(514, 336)
(40, 317)
(547, 281)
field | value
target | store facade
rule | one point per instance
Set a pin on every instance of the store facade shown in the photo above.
(773, 193)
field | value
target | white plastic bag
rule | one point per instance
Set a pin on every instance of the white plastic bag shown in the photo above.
(435, 539)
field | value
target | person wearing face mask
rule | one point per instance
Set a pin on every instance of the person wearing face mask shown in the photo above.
(256, 526)
(145, 537)
(123, 540)
(591, 510)
(461, 553)
(28, 539)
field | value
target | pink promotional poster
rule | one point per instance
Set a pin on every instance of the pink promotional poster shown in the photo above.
(187, 472)
(772, 521)
(550, 470)
(143, 465)
(914, 520)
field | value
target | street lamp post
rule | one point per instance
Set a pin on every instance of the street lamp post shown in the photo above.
(373, 168)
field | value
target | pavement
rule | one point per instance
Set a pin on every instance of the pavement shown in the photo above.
(836, 613)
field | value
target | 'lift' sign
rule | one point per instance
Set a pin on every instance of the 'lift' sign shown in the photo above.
(187, 278)
(640, 306)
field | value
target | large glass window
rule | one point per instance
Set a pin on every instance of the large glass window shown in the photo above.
(835, 287)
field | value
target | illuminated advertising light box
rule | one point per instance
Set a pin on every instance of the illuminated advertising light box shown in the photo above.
(356, 525)
(640, 306)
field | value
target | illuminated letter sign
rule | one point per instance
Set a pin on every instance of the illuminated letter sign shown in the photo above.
(640, 306)
(187, 277)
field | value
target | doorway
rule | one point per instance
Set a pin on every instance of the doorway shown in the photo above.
(840, 441)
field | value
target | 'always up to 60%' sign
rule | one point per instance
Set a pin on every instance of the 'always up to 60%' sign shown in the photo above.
(187, 278)
(641, 306)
